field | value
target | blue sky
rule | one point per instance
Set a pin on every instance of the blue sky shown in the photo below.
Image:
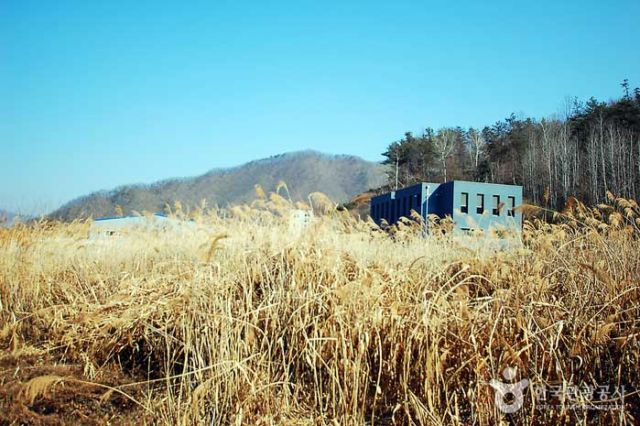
(98, 94)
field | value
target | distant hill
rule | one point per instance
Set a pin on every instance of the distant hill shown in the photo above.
(338, 176)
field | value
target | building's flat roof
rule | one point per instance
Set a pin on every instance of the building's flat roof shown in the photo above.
(100, 219)
(486, 183)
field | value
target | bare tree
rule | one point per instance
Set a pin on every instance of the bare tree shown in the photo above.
(478, 142)
(445, 143)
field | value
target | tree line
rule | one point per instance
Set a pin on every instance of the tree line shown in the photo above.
(591, 149)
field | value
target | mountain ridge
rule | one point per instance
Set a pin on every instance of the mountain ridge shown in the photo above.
(339, 176)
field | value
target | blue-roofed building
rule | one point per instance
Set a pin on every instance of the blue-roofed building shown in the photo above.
(122, 225)
(471, 205)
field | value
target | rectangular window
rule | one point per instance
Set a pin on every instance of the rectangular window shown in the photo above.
(464, 202)
(512, 207)
(496, 205)
(480, 204)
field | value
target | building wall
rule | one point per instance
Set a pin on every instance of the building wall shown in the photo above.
(440, 198)
(391, 206)
(509, 196)
(445, 199)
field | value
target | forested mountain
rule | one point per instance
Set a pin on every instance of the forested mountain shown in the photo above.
(590, 150)
(340, 177)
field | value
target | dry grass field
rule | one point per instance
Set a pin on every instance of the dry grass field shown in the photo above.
(244, 320)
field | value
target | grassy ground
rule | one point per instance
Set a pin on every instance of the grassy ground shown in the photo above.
(245, 319)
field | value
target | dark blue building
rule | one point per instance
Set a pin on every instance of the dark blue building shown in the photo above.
(471, 205)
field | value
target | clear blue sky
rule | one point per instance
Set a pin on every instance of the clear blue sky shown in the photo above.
(96, 94)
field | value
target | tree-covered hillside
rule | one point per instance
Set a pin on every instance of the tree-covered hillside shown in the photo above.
(591, 149)
(340, 177)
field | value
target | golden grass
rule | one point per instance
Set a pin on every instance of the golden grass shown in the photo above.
(238, 322)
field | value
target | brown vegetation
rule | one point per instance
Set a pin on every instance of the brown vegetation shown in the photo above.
(236, 321)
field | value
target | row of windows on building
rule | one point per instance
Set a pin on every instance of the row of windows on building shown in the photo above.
(396, 208)
(495, 204)
(402, 206)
